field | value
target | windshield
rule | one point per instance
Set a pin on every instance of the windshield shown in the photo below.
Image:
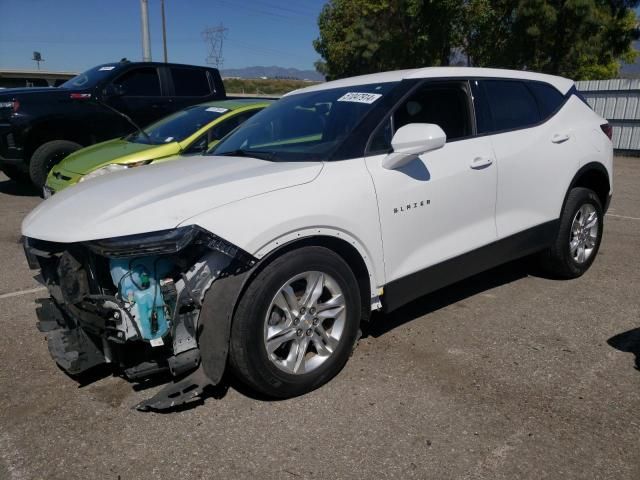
(89, 78)
(305, 126)
(178, 126)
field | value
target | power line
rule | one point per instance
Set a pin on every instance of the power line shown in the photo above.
(258, 48)
(293, 20)
(288, 9)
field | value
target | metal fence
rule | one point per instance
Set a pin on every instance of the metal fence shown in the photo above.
(618, 101)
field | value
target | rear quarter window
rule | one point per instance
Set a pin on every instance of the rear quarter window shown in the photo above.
(190, 82)
(548, 97)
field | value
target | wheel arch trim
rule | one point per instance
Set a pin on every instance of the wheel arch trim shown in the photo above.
(223, 297)
(586, 169)
(320, 235)
(50, 130)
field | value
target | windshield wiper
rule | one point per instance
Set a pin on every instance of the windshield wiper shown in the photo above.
(262, 155)
(127, 118)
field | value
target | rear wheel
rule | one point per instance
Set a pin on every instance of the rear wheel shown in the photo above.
(296, 324)
(579, 235)
(46, 157)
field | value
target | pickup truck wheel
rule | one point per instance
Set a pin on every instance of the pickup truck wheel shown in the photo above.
(46, 157)
(296, 324)
(16, 174)
(579, 235)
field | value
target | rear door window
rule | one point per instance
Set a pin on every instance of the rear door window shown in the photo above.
(190, 82)
(140, 82)
(511, 103)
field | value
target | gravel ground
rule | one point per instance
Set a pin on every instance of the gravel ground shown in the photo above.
(502, 376)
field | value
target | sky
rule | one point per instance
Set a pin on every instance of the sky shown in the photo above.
(74, 35)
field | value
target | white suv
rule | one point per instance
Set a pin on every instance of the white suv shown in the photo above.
(341, 198)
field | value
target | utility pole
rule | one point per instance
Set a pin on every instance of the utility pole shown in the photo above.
(164, 31)
(146, 38)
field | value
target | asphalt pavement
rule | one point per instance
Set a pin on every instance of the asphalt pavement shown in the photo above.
(506, 375)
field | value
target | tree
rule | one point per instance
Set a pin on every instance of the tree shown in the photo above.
(575, 38)
(364, 36)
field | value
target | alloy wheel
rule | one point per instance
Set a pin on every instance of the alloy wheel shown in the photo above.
(583, 236)
(305, 322)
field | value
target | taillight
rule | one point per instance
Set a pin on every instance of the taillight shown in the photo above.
(14, 105)
(607, 129)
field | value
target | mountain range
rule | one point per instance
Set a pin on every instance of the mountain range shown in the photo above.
(631, 70)
(273, 72)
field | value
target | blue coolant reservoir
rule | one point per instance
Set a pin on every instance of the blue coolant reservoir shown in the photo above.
(138, 283)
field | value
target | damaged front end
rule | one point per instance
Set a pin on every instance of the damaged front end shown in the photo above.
(133, 302)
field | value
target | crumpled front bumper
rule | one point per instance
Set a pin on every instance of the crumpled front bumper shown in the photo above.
(85, 321)
(69, 344)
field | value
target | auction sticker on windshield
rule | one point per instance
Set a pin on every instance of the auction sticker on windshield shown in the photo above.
(359, 97)
(217, 109)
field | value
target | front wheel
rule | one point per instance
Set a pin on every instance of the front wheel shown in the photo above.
(576, 246)
(47, 156)
(296, 324)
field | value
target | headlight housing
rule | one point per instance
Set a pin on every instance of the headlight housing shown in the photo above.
(112, 167)
(166, 242)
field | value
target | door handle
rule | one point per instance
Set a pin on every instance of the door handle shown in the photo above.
(560, 137)
(481, 162)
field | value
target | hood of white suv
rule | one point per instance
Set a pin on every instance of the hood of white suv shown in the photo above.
(158, 197)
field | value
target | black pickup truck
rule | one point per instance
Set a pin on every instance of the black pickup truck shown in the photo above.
(40, 126)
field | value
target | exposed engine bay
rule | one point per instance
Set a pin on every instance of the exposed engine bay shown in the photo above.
(132, 302)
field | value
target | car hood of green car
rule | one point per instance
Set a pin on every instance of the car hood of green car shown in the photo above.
(118, 151)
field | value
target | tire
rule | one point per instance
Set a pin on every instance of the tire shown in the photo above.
(268, 373)
(560, 259)
(17, 175)
(46, 157)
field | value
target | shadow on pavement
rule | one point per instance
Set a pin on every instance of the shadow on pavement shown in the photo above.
(628, 342)
(11, 187)
(383, 323)
(90, 376)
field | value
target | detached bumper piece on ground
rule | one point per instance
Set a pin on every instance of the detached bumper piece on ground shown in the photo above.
(142, 312)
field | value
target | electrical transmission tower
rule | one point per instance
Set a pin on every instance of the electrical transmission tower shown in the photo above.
(214, 38)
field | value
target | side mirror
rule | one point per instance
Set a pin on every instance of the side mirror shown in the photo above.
(113, 90)
(411, 140)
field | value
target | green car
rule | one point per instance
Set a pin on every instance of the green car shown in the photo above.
(192, 130)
